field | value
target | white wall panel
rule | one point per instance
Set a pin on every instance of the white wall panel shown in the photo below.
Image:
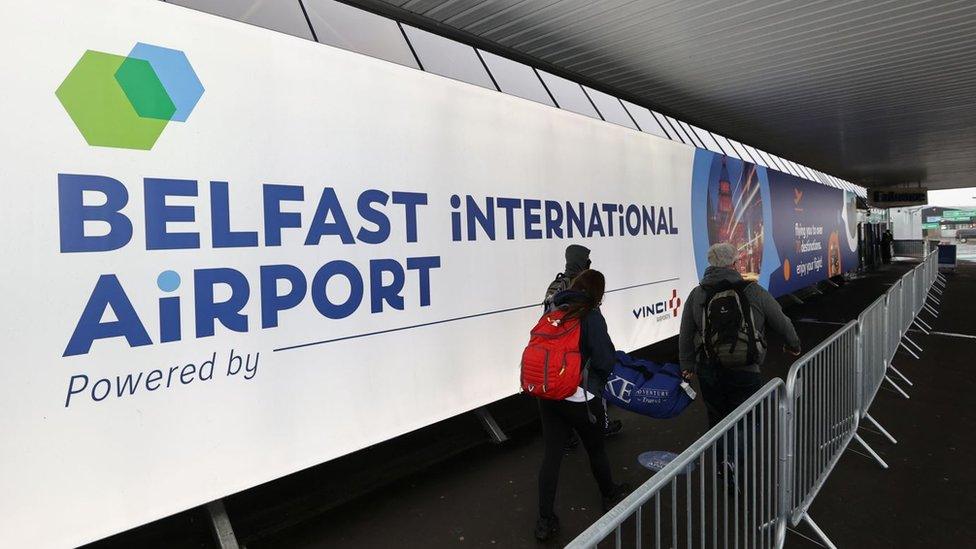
(353, 29)
(515, 78)
(281, 15)
(646, 120)
(610, 108)
(569, 95)
(671, 132)
(448, 58)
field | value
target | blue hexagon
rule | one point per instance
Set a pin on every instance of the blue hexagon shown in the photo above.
(175, 73)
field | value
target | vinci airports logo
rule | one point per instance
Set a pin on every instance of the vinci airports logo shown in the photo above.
(127, 101)
(660, 310)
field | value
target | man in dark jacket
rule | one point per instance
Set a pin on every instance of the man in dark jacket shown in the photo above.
(886, 240)
(577, 261)
(724, 389)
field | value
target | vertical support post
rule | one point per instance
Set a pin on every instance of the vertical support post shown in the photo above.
(488, 422)
(220, 524)
(786, 464)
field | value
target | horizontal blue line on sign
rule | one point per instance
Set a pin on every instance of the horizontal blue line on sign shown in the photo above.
(344, 338)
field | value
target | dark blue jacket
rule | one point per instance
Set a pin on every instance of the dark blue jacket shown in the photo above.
(595, 344)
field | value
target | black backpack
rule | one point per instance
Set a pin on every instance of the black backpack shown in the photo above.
(729, 338)
(561, 282)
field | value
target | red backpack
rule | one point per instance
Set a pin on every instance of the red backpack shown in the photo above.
(551, 362)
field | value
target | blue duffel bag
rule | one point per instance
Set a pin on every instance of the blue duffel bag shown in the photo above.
(647, 388)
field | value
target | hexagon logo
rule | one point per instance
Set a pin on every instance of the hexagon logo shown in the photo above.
(126, 101)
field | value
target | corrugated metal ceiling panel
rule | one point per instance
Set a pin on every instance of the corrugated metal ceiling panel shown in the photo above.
(871, 90)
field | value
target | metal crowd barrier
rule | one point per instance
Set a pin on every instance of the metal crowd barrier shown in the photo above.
(894, 327)
(823, 412)
(894, 330)
(761, 468)
(874, 352)
(730, 494)
(908, 248)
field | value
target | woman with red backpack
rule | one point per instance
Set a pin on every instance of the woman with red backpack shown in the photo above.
(566, 365)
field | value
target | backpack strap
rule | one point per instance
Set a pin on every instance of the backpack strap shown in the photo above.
(710, 292)
(740, 291)
(586, 379)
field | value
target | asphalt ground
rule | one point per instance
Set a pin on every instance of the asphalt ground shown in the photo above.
(485, 495)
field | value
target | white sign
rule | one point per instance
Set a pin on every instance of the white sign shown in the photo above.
(212, 281)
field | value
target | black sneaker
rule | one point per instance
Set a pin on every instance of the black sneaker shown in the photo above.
(546, 527)
(571, 443)
(613, 427)
(620, 491)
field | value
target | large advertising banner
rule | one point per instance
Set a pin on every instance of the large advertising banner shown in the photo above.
(790, 232)
(232, 254)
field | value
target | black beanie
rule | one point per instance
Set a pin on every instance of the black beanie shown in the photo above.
(577, 259)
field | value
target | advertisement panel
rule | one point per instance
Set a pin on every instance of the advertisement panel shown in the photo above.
(790, 232)
(233, 254)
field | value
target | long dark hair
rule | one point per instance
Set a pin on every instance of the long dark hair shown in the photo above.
(591, 284)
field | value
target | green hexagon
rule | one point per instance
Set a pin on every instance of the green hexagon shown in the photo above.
(140, 84)
(99, 107)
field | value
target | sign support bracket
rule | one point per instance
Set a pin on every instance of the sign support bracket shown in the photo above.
(220, 524)
(488, 422)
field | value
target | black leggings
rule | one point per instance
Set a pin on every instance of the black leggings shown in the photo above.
(559, 418)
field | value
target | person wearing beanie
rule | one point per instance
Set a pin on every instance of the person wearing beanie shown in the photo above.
(724, 386)
(577, 261)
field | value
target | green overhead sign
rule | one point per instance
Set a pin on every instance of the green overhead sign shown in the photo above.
(958, 214)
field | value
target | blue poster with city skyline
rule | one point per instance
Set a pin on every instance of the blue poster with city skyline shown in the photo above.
(790, 233)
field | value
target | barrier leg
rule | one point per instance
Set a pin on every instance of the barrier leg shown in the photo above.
(220, 524)
(931, 310)
(935, 289)
(871, 451)
(880, 428)
(916, 345)
(919, 322)
(488, 422)
(820, 533)
(935, 299)
(897, 388)
(901, 375)
(911, 352)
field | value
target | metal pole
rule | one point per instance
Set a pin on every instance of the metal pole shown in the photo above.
(871, 451)
(901, 375)
(488, 422)
(897, 388)
(911, 352)
(819, 532)
(220, 524)
(880, 428)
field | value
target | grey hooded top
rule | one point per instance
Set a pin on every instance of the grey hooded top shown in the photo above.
(765, 312)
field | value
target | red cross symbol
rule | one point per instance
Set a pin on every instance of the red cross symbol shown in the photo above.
(674, 303)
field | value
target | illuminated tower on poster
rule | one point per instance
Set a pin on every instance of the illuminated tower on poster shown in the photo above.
(736, 215)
